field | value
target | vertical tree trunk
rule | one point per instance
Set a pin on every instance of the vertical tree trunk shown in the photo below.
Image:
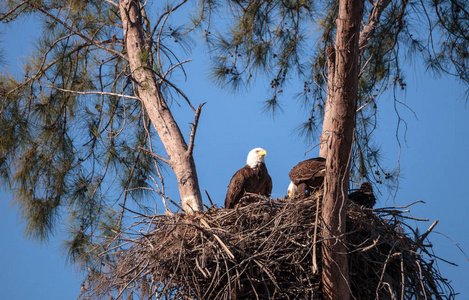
(327, 122)
(180, 158)
(341, 115)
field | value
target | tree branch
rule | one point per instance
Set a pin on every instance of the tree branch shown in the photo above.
(175, 88)
(155, 155)
(194, 128)
(373, 19)
(112, 3)
(165, 17)
(12, 11)
(419, 240)
(95, 93)
(174, 67)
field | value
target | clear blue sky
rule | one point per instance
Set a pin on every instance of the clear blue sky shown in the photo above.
(434, 166)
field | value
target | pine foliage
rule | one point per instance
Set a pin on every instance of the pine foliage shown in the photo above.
(285, 41)
(75, 138)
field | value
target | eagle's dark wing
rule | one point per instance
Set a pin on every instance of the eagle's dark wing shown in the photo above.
(236, 187)
(248, 180)
(267, 182)
(306, 170)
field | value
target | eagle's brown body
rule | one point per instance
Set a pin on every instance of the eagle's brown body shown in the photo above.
(308, 174)
(248, 180)
(364, 195)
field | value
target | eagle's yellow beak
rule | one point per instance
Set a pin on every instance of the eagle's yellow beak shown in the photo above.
(262, 152)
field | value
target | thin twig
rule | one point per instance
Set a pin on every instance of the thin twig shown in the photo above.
(194, 128)
(155, 155)
(95, 93)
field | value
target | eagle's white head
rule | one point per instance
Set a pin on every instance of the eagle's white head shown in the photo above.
(256, 157)
(292, 189)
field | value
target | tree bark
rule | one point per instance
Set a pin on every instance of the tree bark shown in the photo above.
(327, 121)
(180, 156)
(341, 115)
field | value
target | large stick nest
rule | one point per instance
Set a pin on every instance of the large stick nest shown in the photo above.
(266, 250)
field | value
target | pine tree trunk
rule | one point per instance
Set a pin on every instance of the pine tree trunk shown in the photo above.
(180, 159)
(341, 115)
(327, 122)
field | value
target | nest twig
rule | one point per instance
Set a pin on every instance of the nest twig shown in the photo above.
(265, 250)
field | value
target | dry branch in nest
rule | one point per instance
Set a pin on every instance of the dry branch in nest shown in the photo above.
(266, 250)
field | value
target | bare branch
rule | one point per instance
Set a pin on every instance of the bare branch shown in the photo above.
(194, 128)
(174, 67)
(209, 199)
(95, 93)
(155, 155)
(364, 66)
(378, 7)
(3, 17)
(223, 245)
(112, 3)
(165, 16)
(420, 240)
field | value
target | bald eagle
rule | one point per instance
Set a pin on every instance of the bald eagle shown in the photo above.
(364, 195)
(308, 175)
(252, 178)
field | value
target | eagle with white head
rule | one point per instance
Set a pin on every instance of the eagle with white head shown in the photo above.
(252, 178)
